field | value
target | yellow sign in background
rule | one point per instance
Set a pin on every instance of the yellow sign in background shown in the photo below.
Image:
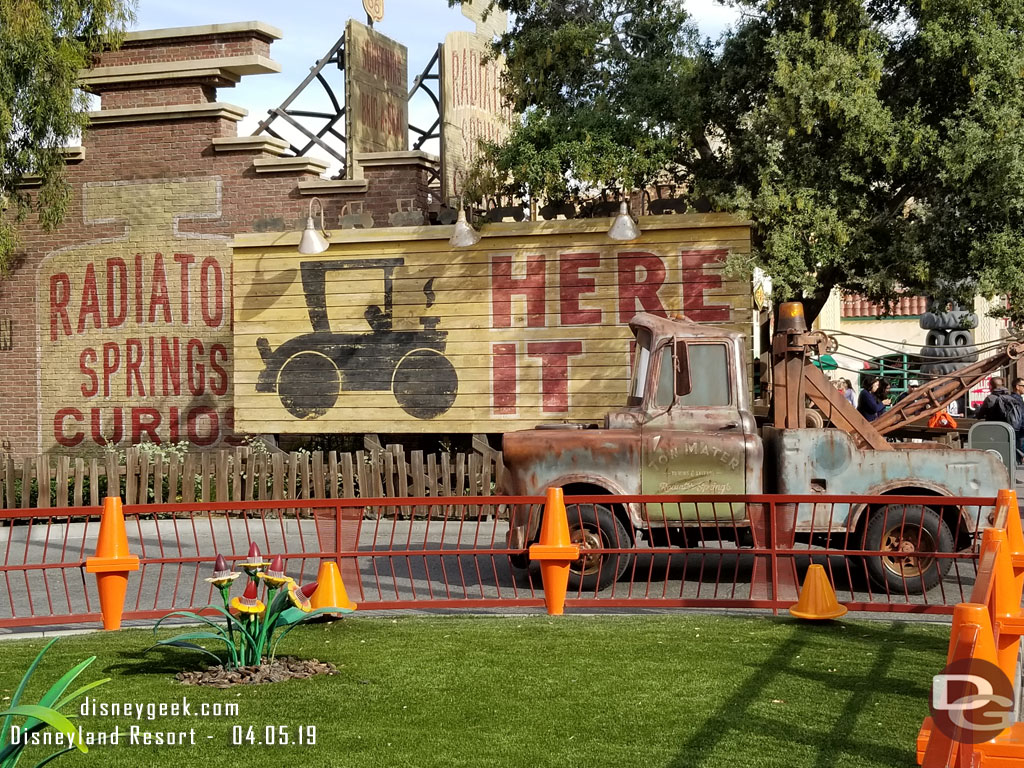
(392, 330)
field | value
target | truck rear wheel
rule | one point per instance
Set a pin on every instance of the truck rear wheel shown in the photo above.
(593, 526)
(901, 529)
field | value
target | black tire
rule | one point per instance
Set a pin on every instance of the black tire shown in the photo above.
(961, 338)
(968, 354)
(687, 538)
(934, 321)
(940, 369)
(308, 385)
(940, 353)
(936, 339)
(907, 528)
(948, 321)
(525, 572)
(593, 526)
(425, 383)
(520, 561)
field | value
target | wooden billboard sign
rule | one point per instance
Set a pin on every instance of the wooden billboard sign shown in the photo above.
(471, 104)
(376, 93)
(392, 330)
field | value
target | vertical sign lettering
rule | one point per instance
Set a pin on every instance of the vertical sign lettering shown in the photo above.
(472, 107)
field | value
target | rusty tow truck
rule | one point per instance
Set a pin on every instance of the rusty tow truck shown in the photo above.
(688, 429)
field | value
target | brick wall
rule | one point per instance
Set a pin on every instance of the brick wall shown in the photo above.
(121, 319)
(139, 48)
(157, 94)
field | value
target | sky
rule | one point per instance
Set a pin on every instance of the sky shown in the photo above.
(310, 27)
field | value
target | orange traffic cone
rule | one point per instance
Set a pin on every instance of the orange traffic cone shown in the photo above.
(817, 598)
(555, 552)
(112, 562)
(973, 641)
(330, 592)
(1004, 602)
(1007, 500)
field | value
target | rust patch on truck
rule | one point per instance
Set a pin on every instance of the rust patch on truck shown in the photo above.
(538, 459)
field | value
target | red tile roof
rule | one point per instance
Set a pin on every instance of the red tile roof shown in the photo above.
(855, 305)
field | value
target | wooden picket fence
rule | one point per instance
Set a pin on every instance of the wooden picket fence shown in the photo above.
(247, 474)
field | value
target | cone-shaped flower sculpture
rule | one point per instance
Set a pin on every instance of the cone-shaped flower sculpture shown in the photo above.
(249, 602)
(300, 595)
(254, 562)
(274, 575)
(222, 573)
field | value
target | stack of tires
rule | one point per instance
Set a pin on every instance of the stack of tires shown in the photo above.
(949, 345)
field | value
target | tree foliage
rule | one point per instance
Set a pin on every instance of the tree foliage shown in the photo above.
(877, 145)
(603, 89)
(43, 45)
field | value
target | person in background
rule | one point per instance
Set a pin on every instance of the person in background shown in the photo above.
(911, 386)
(1005, 406)
(882, 393)
(840, 385)
(872, 401)
(990, 410)
(849, 394)
(1018, 393)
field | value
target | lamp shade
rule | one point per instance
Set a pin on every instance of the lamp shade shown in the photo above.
(464, 235)
(312, 241)
(623, 228)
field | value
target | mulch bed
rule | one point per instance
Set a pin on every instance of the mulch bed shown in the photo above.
(276, 671)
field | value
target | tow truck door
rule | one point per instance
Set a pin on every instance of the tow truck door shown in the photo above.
(696, 442)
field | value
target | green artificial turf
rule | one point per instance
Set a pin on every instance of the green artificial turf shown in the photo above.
(689, 690)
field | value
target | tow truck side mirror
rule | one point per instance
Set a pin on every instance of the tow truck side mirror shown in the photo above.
(682, 370)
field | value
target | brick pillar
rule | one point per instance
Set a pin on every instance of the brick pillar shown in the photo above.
(397, 186)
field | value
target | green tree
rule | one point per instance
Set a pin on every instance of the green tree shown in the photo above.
(43, 45)
(877, 146)
(603, 89)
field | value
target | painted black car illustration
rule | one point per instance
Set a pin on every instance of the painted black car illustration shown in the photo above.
(310, 371)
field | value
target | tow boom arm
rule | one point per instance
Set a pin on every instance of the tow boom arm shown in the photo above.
(795, 377)
(938, 393)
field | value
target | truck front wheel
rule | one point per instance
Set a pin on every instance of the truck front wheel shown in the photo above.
(899, 529)
(593, 526)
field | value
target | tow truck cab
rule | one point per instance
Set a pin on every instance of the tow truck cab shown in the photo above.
(687, 428)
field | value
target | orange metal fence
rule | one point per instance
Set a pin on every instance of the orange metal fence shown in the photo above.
(426, 553)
